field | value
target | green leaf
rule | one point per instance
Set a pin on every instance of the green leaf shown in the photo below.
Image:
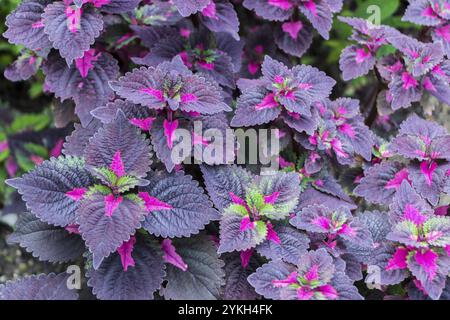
(386, 8)
(36, 149)
(30, 121)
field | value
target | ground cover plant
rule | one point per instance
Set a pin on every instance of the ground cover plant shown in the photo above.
(131, 185)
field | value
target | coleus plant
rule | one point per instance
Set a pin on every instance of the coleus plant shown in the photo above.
(419, 155)
(145, 226)
(413, 69)
(293, 34)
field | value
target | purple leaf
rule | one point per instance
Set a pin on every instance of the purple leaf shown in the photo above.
(255, 107)
(102, 233)
(76, 143)
(161, 145)
(380, 257)
(421, 12)
(204, 276)
(428, 184)
(190, 209)
(407, 199)
(236, 284)
(233, 237)
(188, 7)
(262, 279)
(319, 14)
(293, 244)
(381, 181)
(88, 92)
(121, 136)
(294, 38)
(139, 282)
(25, 26)
(278, 10)
(71, 30)
(23, 68)
(46, 242)
(431, 270)
(355, 61)
(219, 16)
(44, 189)
(40, 287)
(287, 188)
(221, 180)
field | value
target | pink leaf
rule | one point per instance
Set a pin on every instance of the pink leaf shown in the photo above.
(143, 124)
(428, 261)
(73, 228)
(291, 279)
(245, 257)
(267, 103)
(171, 256)
(56, 150)
(246, 224)
(395, 182)
(117, 165)
(271, 234)
(152, 203)
(428, 170)
(125, 251)
(398, 260)
(412, 214)
(85, 64)
(76, 194)
(272, 198)
(293, 28)
(169, 131)
(111, 204)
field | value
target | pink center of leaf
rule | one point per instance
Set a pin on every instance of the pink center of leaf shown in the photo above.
(395, 182)
(86, 63)
(143, 124)
(311, 7)
(188, 98)
(408, 81)
(158, 94)
(398, 260)
(268, 102)
(117, 165)
(245, 257)
(272, 198)
(111, 204)
(428, 261)
(125, 251)
(347, 129)
(76, 194)
(169, 131)
(427, 170)
(210, 11)
(171, 256)
(361, 55)
(291, 279)
(271, 234)
(38, 24)
(73, 15)
(282, 4)
(246, 224)
(292, 28)
(412, 214)
(152, 203)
